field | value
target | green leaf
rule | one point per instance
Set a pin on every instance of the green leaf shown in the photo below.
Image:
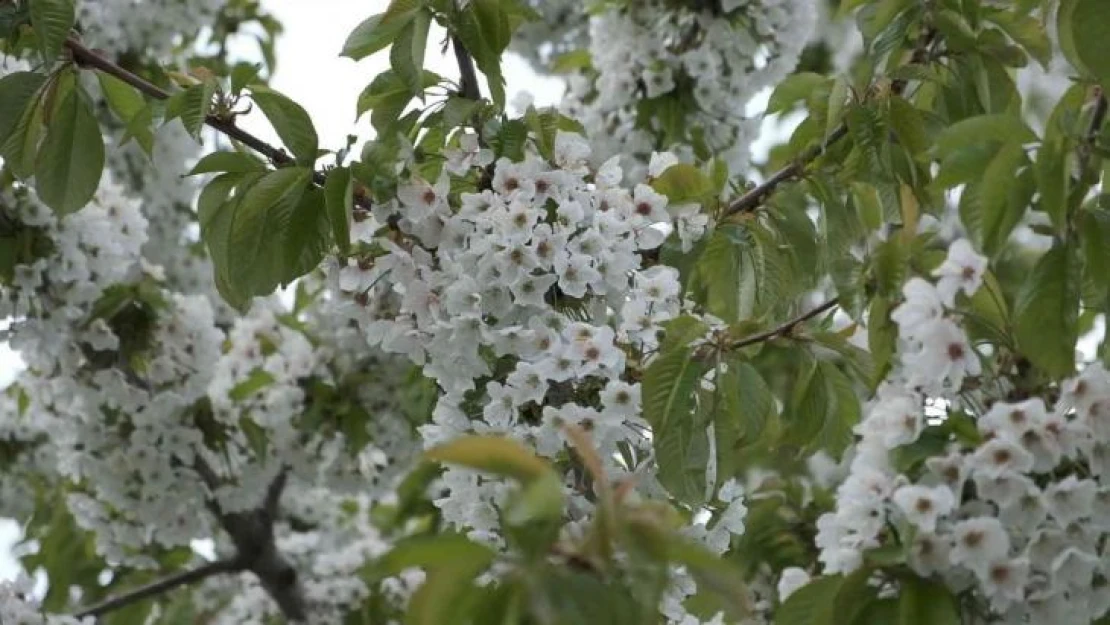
(540, 500)
(681, 444)
(812, 604)
(1053, 180)
(682, 183)
(926, 602)
(242, 75)
(908, 125)
(234, 162)
(745, 407)
(306, 238)
(378, 31)
(21, 146)
(259, 228)
(406, 57)
(192, 106)
(713, 574)
(52, 21)
(1027, 31)
(1001, 210)
(255, 382)
(71, 159)
(793, 89)
(16, 93)
(386, 97)
(492, 454)
(339, 194)
(290, 121)
(1047, 312)
(130, 107)
(983, 129)
(1090, 32)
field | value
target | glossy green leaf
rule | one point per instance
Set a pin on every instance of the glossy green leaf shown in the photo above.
(339, 193)
(379, 31)
(17, 91)
(1090, 31)
(234, 162)
(1046, 314)
(492, 454)
(52, 21)
(926, 602)
(291, 122)
(983, 129)
(71, 159)
(681, 443)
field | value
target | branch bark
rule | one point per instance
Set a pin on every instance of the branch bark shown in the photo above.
(754, 199)
(85, 57)
(468, 77)
(786, 328)
(160, 586)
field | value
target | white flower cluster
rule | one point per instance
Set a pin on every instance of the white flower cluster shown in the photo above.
(1021, 516)
(700, 66)
(153, 26)
(17, 607)
(563, 26)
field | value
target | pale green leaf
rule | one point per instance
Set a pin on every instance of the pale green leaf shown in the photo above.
(1047, 312)
(492, 454)
(339, 192)
(71, 160)
(52, 21)
(291, 122)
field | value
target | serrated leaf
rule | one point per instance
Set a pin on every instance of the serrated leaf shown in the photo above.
(682, 183)
(192, 106)
(1090, 31)
(982, 129)
(492, 454)
(793, 89)
(377, 32)
(1027, 31)
(17, 91)
(233, 162)
(258, 380)
(926, 602)
(386, 97)
(339, 194)
(406, 57)
(71, 160)
(21, 145)
(259, 228)
(1046, 315)
(291, 122)
(812, 604)
(52, 21)
(908, 125)
(681, 445)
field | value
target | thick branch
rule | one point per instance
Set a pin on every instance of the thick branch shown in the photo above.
(785, 328)
(161, 586)
(754, 199)
(468, 78)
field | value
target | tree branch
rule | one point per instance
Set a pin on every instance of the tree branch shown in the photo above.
(468, 78)
(160, 586)
(785, 328)
(754, 199)
(85, 57)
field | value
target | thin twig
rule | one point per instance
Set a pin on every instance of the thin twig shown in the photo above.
(160, 586)
(754, 198)
(785, 328)
(85, 57)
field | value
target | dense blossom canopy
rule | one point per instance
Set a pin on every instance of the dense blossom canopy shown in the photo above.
(596, 363)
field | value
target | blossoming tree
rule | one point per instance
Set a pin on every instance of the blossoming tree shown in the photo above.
(585, 364)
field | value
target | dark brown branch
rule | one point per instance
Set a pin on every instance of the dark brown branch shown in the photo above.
(468, 78)
(754, 198)
(85, 57)
(160, 586)
(785, 328)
